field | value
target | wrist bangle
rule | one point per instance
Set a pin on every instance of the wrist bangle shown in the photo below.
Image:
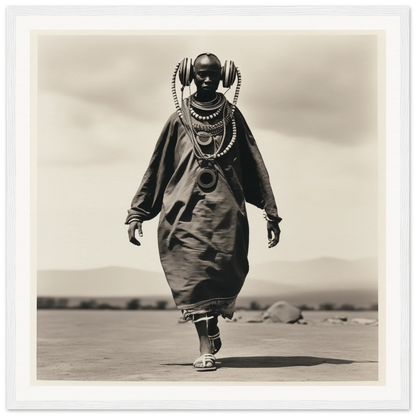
(266, 217)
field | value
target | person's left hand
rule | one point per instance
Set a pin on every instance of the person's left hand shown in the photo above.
(273, 233)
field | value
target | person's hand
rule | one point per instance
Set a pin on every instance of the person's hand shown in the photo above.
(133, 226)
(273, 233)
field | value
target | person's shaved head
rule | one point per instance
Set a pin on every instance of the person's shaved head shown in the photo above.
(206, 58)
(207, 70)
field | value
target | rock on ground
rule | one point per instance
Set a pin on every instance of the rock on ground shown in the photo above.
(283, 312)
(364, 321)
(336, 321)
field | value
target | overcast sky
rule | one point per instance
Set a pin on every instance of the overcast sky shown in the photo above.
(311, 103)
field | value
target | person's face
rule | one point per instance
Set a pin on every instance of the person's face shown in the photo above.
(207, 75)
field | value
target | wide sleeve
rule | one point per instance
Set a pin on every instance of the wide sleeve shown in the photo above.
(256, 182)
(147, 201)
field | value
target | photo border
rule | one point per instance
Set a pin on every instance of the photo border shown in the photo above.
(9, 220)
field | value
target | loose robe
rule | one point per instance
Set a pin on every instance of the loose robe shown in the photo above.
(203, 236)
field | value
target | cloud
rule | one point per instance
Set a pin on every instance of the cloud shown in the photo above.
(328, 201)
(319, 87)
(74, 132)
(112, 71)
(314, 87)
(310, 101)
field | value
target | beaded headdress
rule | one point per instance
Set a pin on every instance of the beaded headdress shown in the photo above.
(198, 126)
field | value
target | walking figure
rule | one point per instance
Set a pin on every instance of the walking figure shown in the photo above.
(205, 167)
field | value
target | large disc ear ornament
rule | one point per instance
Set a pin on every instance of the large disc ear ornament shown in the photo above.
(206, 179)
(186, 72)
(229, 73)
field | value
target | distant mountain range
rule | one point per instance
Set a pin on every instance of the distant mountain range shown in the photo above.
(302, 282)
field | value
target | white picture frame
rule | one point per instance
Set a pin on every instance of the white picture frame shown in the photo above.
(396, 397)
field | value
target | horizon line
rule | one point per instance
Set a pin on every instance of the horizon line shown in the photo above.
(255, 264)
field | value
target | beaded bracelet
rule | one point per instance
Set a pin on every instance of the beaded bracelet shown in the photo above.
(268, 219)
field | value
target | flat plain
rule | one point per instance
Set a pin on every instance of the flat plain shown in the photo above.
(152, 346)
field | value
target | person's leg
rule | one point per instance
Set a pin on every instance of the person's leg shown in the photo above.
(206, 361)
(214, 333)
(213, 326)
(204, 342)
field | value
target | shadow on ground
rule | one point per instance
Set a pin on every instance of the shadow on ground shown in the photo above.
(277, 361)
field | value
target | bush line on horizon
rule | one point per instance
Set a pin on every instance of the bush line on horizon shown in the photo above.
(135, 304)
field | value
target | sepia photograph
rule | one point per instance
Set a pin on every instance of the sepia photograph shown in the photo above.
(209, 203)
(245, 168)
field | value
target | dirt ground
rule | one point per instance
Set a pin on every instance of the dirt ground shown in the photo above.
(153, 346)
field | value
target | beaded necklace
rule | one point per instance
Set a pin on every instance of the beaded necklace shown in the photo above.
(217, 153)
(189, 126)
(215, 106)
(204, 118)
(212, 105)
(201, 134)
(217, 127)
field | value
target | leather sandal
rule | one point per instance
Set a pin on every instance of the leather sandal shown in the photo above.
(200, 364)
(215, 342)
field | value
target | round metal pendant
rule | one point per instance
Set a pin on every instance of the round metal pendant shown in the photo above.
(203, 138)
(206, 178)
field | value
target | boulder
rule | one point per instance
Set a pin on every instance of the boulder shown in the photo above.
(283, 312)
(336, 321)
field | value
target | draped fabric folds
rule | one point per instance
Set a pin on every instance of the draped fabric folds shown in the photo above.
(203, 237)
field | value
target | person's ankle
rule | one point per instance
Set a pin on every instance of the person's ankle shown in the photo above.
(205, 347)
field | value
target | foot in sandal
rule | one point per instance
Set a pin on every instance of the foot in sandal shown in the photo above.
(206, 362)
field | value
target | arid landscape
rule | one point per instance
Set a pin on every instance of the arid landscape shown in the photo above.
(125, 327)
(310, 283)
(106, 345)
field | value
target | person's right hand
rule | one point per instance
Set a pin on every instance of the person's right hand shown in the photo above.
(133, 226)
